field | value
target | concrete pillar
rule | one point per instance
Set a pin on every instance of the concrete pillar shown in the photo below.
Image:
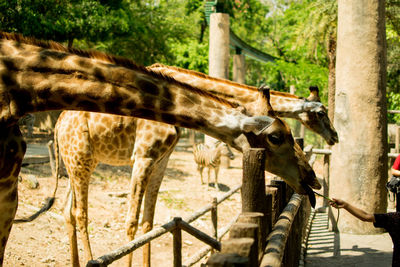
(218, 58)
(239, 69)
(359, 161)
(218, 54)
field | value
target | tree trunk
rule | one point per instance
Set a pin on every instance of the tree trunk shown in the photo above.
(359, 160)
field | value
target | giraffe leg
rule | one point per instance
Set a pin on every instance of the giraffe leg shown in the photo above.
(140, 176)
(81, 189)
(70, 224)
(150, 204)
(12, 150)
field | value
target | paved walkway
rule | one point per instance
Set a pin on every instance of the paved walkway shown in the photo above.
(329, 249)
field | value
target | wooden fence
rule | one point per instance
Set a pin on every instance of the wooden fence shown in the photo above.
(272, 224)
(260, 234)
(273, 221)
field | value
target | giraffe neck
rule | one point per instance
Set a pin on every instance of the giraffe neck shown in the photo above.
(284, 104)
(40, 77)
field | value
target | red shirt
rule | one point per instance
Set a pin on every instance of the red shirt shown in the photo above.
(396, 164)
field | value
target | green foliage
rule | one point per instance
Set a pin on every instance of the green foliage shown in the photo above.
(393, 104)
(63, 20)
(191, 55)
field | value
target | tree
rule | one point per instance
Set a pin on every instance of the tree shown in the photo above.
(320, 30)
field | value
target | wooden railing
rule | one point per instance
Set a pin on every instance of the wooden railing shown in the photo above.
(175, 227)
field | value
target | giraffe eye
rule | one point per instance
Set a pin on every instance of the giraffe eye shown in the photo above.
(275, 139)
(321, 113)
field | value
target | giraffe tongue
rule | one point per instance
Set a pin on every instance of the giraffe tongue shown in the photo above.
(310, 193)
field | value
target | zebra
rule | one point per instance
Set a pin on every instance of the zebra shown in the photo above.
(208, 157)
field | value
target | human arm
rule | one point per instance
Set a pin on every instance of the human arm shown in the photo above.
(359, 213)
(395, 172)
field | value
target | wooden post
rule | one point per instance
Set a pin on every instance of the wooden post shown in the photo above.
(214, 218)
(253, 181)
(281, 186)
(249, 230)
(177, 243)
(258, 219)
(268, 215)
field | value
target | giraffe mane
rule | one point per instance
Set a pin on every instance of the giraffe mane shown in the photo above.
(228, 82)
(116, 60)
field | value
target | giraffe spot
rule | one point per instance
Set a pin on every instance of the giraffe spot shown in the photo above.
(68, 99)
(153, 153)
(53, 54)
(148, 102)
(148, 86)
(9, 64)
(48, 105)
(188, 101)
(98, 73)
(8, 79)
(113, 108)
(131, 105)
(86, 64)
(89, 105)
(166, 93)
(170, 139)
(168, 118)
(145, 114)
(166, 105)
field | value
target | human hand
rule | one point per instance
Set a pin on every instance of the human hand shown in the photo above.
(337, 203)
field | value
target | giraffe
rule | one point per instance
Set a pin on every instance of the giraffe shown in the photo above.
(108, 139)
(312, 114)
(309, 111)
(135, 135)
(40, 76)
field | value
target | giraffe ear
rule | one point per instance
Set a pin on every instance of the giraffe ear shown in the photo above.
(256, 124)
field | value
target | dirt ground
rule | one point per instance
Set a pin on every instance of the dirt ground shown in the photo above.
(44, 242)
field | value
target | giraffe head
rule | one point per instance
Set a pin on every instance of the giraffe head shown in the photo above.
(315, 117)
(284, 157)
